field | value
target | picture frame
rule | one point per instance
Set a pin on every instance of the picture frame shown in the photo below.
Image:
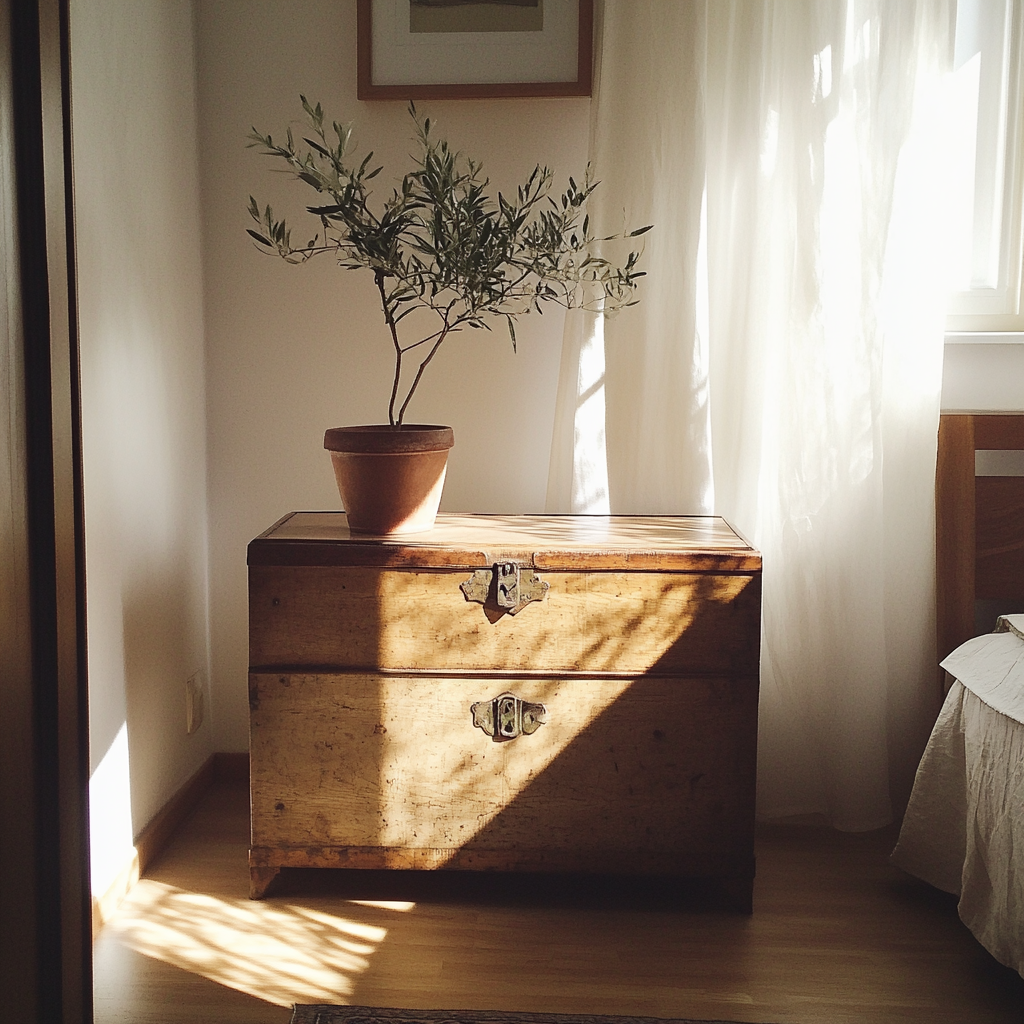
(397, 61)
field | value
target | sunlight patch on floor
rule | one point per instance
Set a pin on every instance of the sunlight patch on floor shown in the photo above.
(281, 953)
(401, 905)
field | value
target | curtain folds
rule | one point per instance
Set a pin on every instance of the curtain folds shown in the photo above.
(783, 367)
(650, 372)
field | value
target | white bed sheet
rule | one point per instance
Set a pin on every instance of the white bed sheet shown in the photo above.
(992, 667)
(964, 827)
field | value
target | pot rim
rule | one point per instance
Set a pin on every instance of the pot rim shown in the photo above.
(382, 439)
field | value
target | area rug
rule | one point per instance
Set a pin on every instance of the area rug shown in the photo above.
(323, 1014)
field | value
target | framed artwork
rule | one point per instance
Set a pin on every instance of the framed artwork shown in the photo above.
(451, 49)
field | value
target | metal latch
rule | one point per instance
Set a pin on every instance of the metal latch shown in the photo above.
(510, 587)
(507, 716)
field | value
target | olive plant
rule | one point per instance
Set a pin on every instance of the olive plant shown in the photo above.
(440, 242)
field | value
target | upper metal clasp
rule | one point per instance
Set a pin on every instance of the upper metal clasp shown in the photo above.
(506, 586)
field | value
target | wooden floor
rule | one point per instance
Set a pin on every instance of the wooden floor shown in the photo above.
(837, 935)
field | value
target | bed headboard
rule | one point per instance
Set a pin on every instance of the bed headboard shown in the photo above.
(979, 523)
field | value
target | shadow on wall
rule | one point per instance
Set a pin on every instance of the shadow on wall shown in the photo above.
(159, 631)
(131, 780)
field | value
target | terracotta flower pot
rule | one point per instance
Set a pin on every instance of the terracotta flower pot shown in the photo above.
(390, 479)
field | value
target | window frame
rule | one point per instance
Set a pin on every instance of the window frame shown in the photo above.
(996, 315)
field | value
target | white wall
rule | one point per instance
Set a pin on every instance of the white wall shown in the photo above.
(143, 406)
(294, 350)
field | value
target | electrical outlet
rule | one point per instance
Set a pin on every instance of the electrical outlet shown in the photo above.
(193, 702)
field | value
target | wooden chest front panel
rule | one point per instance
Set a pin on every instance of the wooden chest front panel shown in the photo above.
(643, 775)
(678, 623)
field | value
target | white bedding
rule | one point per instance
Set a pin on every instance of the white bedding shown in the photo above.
(964, 827)
(992, 667)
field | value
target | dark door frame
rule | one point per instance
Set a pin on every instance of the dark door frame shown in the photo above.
(45, 902)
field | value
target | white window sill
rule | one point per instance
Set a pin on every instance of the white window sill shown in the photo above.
(985, 338)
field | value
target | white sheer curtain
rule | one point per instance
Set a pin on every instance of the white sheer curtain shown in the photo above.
(783, 367)
(642, 377)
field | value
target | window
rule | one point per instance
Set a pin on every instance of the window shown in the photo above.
(988, 165)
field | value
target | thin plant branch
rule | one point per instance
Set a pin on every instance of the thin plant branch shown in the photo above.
(441, 242)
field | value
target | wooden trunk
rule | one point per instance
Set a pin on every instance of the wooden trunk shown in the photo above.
(376, 667)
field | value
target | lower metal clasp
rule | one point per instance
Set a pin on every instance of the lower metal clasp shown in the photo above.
(508, 716)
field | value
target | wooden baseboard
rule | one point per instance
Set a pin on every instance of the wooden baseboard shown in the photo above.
(155, 837)
(103, 907)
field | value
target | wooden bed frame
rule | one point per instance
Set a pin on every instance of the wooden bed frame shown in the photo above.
(979, 524)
